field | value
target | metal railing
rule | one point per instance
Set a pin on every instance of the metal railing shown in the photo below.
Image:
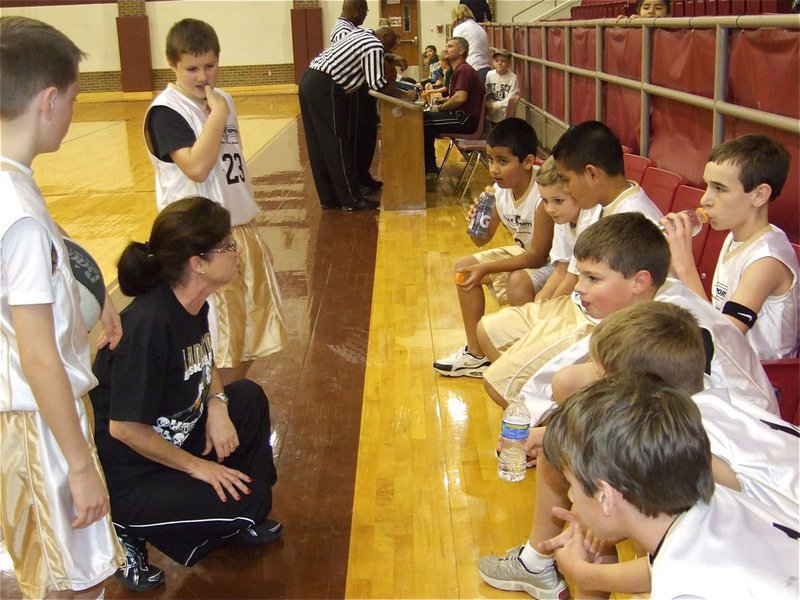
(718, 105)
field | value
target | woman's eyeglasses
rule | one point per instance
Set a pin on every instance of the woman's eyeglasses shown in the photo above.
(229, 247)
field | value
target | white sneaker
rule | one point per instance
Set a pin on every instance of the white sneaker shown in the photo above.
(508, 573)
(461, 364)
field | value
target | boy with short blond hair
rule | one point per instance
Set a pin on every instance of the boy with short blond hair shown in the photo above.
(194, 143)
(569, 221)
(511, 147)
(755, 283)
(54, 501)
(639, 465)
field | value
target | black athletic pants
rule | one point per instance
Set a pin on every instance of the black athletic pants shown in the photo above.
(367, 133)
(329, 120)
(445, 122)
(182, 516)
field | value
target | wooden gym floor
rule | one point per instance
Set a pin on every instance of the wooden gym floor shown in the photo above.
(387, 476)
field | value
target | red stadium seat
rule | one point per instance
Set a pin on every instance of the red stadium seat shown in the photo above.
(660, 185)
(785, 376)
(635, 166)
(688, 198)
(708, 258)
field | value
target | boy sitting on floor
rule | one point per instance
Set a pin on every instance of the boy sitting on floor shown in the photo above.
(511, 147)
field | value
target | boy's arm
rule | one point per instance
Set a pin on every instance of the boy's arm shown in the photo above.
(198, 160)
(533, 258)
(42, 367)
(551, 285)
(567, 285)
(762, 278)
(678, 231)
(628, 577)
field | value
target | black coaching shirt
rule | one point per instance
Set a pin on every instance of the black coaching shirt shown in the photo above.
(354, 60)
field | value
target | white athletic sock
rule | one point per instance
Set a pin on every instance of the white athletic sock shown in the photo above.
(535, 561)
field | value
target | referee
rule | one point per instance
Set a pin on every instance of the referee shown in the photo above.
(329, 109)
(352, 16)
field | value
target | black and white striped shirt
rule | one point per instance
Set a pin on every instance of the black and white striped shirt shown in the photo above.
(354, 60)
(340, 29)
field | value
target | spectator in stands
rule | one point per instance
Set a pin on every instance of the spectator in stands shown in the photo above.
(652, 8)
(639, 465)
(431, 58)
(479, 8)
(464, 26)
(460, 112)
(756, 280)
(518, 207)
(187, 469)
(754, 452)
(501, 84)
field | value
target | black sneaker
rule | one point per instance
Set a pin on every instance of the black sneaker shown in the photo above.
(137, 575)
(263, 533)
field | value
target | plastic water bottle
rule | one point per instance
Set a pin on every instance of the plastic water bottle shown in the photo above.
(479, 224)
(512, 459)
(698, 217)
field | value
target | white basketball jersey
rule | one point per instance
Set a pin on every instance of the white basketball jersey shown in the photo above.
(761, 449)
(733, 547)
(734, 365)
(228, 183)
(776, 333)
(21, 199)
(518, 217)
(633, 199)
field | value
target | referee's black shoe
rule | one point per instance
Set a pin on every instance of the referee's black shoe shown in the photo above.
(137, 574)
(362, 204)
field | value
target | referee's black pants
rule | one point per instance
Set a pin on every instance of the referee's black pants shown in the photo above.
(366, 134)
(444, 122)
(182, 516)
(329, 120)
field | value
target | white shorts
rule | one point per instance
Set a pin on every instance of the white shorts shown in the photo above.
(499, 281)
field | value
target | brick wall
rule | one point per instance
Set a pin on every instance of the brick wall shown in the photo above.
(247, 75)
(101, 81)
(131, 8)
(305, 4)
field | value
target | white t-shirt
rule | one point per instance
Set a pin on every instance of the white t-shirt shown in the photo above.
(776, 333)
(760, 448)
(633, 199)
(34, 269)
(518, 216)
(565, 235)
(228, 183)
(731, 548)
(502, 88)
(478, 57)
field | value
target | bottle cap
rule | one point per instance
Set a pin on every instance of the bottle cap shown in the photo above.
(489, 189)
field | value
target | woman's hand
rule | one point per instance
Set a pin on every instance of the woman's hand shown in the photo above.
(112, 325)
(221, 434)
(223, 479)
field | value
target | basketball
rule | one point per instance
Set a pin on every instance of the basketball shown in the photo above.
(90, 282)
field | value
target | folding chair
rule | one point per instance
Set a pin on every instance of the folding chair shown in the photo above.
(479, 134)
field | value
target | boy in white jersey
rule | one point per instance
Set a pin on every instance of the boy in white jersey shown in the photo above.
(511, 147)
(569, 221)
(756, 280)
(639, 465)
(194, 140)
(501, 83)
(754, 452)
(589, 160)
(54, 500)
